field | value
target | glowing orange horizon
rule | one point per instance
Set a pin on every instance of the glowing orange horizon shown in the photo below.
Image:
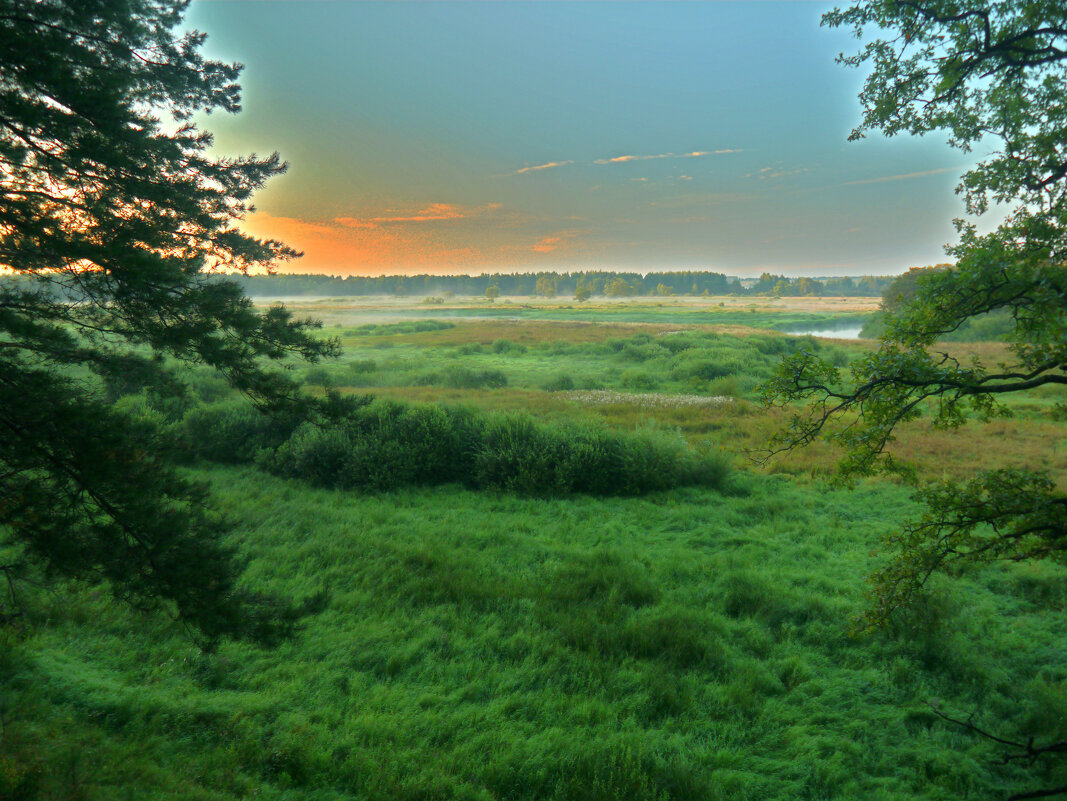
(434, 238)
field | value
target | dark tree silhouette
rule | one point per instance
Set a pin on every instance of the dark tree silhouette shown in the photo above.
(112, 210)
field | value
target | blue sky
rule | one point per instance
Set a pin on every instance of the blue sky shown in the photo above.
(471, 137)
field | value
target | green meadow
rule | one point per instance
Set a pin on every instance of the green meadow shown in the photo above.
(540, 563)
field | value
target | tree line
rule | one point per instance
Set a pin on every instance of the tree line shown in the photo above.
(580, 285)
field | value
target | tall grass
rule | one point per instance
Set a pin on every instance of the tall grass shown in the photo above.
(384, 445)
(486, 647)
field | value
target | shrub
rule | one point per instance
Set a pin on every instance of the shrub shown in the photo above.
(320, 455)
(458, 377)
(707, 370)
(232, 431)
(317, 375)
(361, 366)
(561, 383)
(465, 378)
(639, 380)
(508, 347)
(384, 444)
(677, 343)
(643, 352)
(517, 454)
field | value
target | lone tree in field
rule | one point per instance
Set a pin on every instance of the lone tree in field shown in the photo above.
(111, 209)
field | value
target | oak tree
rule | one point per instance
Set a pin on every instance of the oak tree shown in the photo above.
(992, 75)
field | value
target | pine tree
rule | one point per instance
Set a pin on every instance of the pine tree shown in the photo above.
(112, 213)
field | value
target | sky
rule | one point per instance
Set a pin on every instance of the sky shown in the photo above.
(439, 137)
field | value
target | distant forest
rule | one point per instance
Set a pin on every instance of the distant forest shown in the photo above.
(580, 285)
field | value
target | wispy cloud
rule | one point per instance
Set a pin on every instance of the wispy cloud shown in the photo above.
(435, 212)
(775, 172)
(624, 159)
(539, 167)
(902, 177)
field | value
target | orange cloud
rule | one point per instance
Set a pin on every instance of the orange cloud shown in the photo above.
(547, 244)
(437, 238)
(351, 245)
(557, 241)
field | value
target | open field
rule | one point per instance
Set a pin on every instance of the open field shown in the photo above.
(725, 310)
(490, 641)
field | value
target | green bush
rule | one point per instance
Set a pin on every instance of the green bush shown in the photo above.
(520, 455)
(320, 455)
(412, 327)
(380, 446)
(638, 380)
(361, 366)
(508, 347)
(561, 383)
(232, 431)
(707, 370)
(465, 378)
(384, 445)
(642, 353)
(458, 377)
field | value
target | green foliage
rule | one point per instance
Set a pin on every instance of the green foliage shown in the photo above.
(561, 383)
(477, 646)
(98, 499)
(232, 432)
(410, 327)
(974, 69)
(1015, 272)
(583, 284)
(363, 366)
(111, 210)
(385, 445)
(459, 377)
(507, 346)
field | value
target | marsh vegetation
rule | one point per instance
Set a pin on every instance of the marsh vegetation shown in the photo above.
(523, 578)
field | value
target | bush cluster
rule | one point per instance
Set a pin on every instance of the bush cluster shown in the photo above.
(383, 445)
(459, 377)
(410, 327)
